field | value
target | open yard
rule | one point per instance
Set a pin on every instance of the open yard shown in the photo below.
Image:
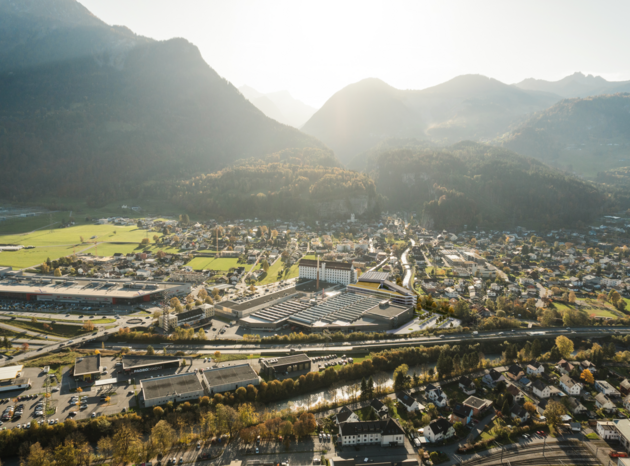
(30, 257)
(272, 274)
(211, 263)
(59, 330)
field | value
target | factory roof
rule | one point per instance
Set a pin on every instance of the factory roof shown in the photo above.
(229, 375)
(87, 365)
(175, 384)
(10, 372)
(132, 362)
(293, 359)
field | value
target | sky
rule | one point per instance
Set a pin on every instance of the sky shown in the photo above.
(315, 48)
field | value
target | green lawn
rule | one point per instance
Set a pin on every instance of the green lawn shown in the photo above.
(30, 257)
(231, 357)
(600, 313)
(592, 436)
(72, 235)
(211, 263)
(272, 273)
(59, 330)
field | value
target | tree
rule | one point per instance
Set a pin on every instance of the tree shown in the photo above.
(163, 435)
(554, 412)
(462, 310)
(37, 456)
(529, 407)
(126, 443)
(150, 351)
(217, 355)
(88, 326)
(201, 335)
(145, 241)
(587, 377)
(158, 412)
(565, 346)
(264, 265)
(57, 272)
(536, 349)
(105, 447)
(460, 430)
(25, 347)
(572, 298)
(286, 429)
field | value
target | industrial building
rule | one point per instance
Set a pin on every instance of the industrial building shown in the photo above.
(327, 271)
(274, 317)
(193, 317)
(227, 379)
(87, 368)
(85, 291)
(139, 364)
(351, 312)
(374, 284)
(11, 378)
(175, 388)
(272, 367)
(238, 310)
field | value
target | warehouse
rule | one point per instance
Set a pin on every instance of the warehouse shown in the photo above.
(88, 368)
(11, 378)
(352, 312)
(195, 317)
(327, 271)
(175, 388)
(139, 364)
(273, 367)
(85, 291)
(372, 284)
(228, 379)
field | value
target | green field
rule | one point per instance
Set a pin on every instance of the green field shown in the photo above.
(211, 263)
(272, 274)
(72, 235)
(30, 257)
(54, 360)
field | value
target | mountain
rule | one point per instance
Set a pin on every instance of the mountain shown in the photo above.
(585, 136)
(281, 106)
(297, 183)
(95, 111)
(575, 85)
(470, 184)
(361, 115)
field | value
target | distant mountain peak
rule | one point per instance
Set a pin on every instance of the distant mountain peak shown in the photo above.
(575, 85)
(279, 105)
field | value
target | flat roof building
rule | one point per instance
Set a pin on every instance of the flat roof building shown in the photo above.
(330, 272)
(384, 289)
(176, 388)
(87, 368)
(226, 379)
(88, 291)
(272, 367)
(139, 364)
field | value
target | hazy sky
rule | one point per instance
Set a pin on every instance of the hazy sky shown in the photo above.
(315, 48)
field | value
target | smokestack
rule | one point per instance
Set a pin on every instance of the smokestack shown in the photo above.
(317, 288)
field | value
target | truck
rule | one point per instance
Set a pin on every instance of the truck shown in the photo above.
(475, 333)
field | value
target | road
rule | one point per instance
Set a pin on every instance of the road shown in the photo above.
(406, 265)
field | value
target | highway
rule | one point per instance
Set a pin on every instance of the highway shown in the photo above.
(376, 345)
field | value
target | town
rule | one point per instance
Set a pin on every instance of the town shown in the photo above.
(422, 346)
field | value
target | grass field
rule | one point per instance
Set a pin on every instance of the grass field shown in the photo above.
(272, 274)
(31, 257)
(72, 235)
(211, 263)
(59, 330)
(233, 357)
(54, 360)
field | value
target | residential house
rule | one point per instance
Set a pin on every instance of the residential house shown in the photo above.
(518, 411)
(405, 399)
(345, 414)
(570, 386)
(603, 402)
(515, 372)
(535, 368)
(575, 406)
(624, 387)
(436, 395)
(386, 432)
(607, 430)
(626, 403)
(478, 405)
(461, 413)
(467, 385)
(439, 429)
(515, 392)
(588, 365)
(493, 377)
(623, 427)
(564, 367)
(541, 389)
(380, 408)
(606, 388)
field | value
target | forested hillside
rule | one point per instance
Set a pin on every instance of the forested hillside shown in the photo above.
(115, 115)
(305, 184)
(475, 107)
(478, 185)
(582, 135)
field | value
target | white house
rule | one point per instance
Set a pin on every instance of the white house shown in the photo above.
(405, 399)
(439, 429)
(603, 402)
(467, 386)
(541, 389)
(570, 386)
(607, 389)
(493, 377)
(436, 395)
(386, 432)
(535, 368)
(345, 414)
(607, 430)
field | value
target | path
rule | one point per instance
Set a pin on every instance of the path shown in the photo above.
(406, 265)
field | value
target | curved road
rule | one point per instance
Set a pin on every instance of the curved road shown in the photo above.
(406, 265)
